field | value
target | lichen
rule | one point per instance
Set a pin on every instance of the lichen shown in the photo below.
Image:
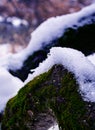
(54, 93)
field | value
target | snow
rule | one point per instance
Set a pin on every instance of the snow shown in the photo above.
(75, 62)
(55, 27)
(48, 31)
(11, 61)
(55, 127)
(9, 87)
(4, 49)
(92, 58)
(71, 59)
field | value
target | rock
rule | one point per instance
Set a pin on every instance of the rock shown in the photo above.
(42, 103)
(80, 38)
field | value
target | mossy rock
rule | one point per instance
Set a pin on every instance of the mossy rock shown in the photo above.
(79, 38)
(49, 98)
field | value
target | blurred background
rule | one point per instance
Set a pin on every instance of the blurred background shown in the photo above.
(18, 18)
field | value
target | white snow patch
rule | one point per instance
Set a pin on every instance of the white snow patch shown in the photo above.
(4, 49)
(92, 58)
(13, 61)
(55, 127)
(76, 63)
(54, 27)
(51, 29)
(9, 85)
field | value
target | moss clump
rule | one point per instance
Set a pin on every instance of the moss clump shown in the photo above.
(52, 92)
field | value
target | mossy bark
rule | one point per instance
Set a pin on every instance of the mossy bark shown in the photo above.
(50, 97)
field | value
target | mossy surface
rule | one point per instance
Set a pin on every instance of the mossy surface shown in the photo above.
(81, 38)
(55, 91)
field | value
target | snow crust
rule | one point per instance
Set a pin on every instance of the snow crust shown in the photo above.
(75, 62)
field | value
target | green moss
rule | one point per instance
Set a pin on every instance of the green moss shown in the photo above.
(42, 94)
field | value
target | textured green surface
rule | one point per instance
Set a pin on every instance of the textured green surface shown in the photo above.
(55, 90)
